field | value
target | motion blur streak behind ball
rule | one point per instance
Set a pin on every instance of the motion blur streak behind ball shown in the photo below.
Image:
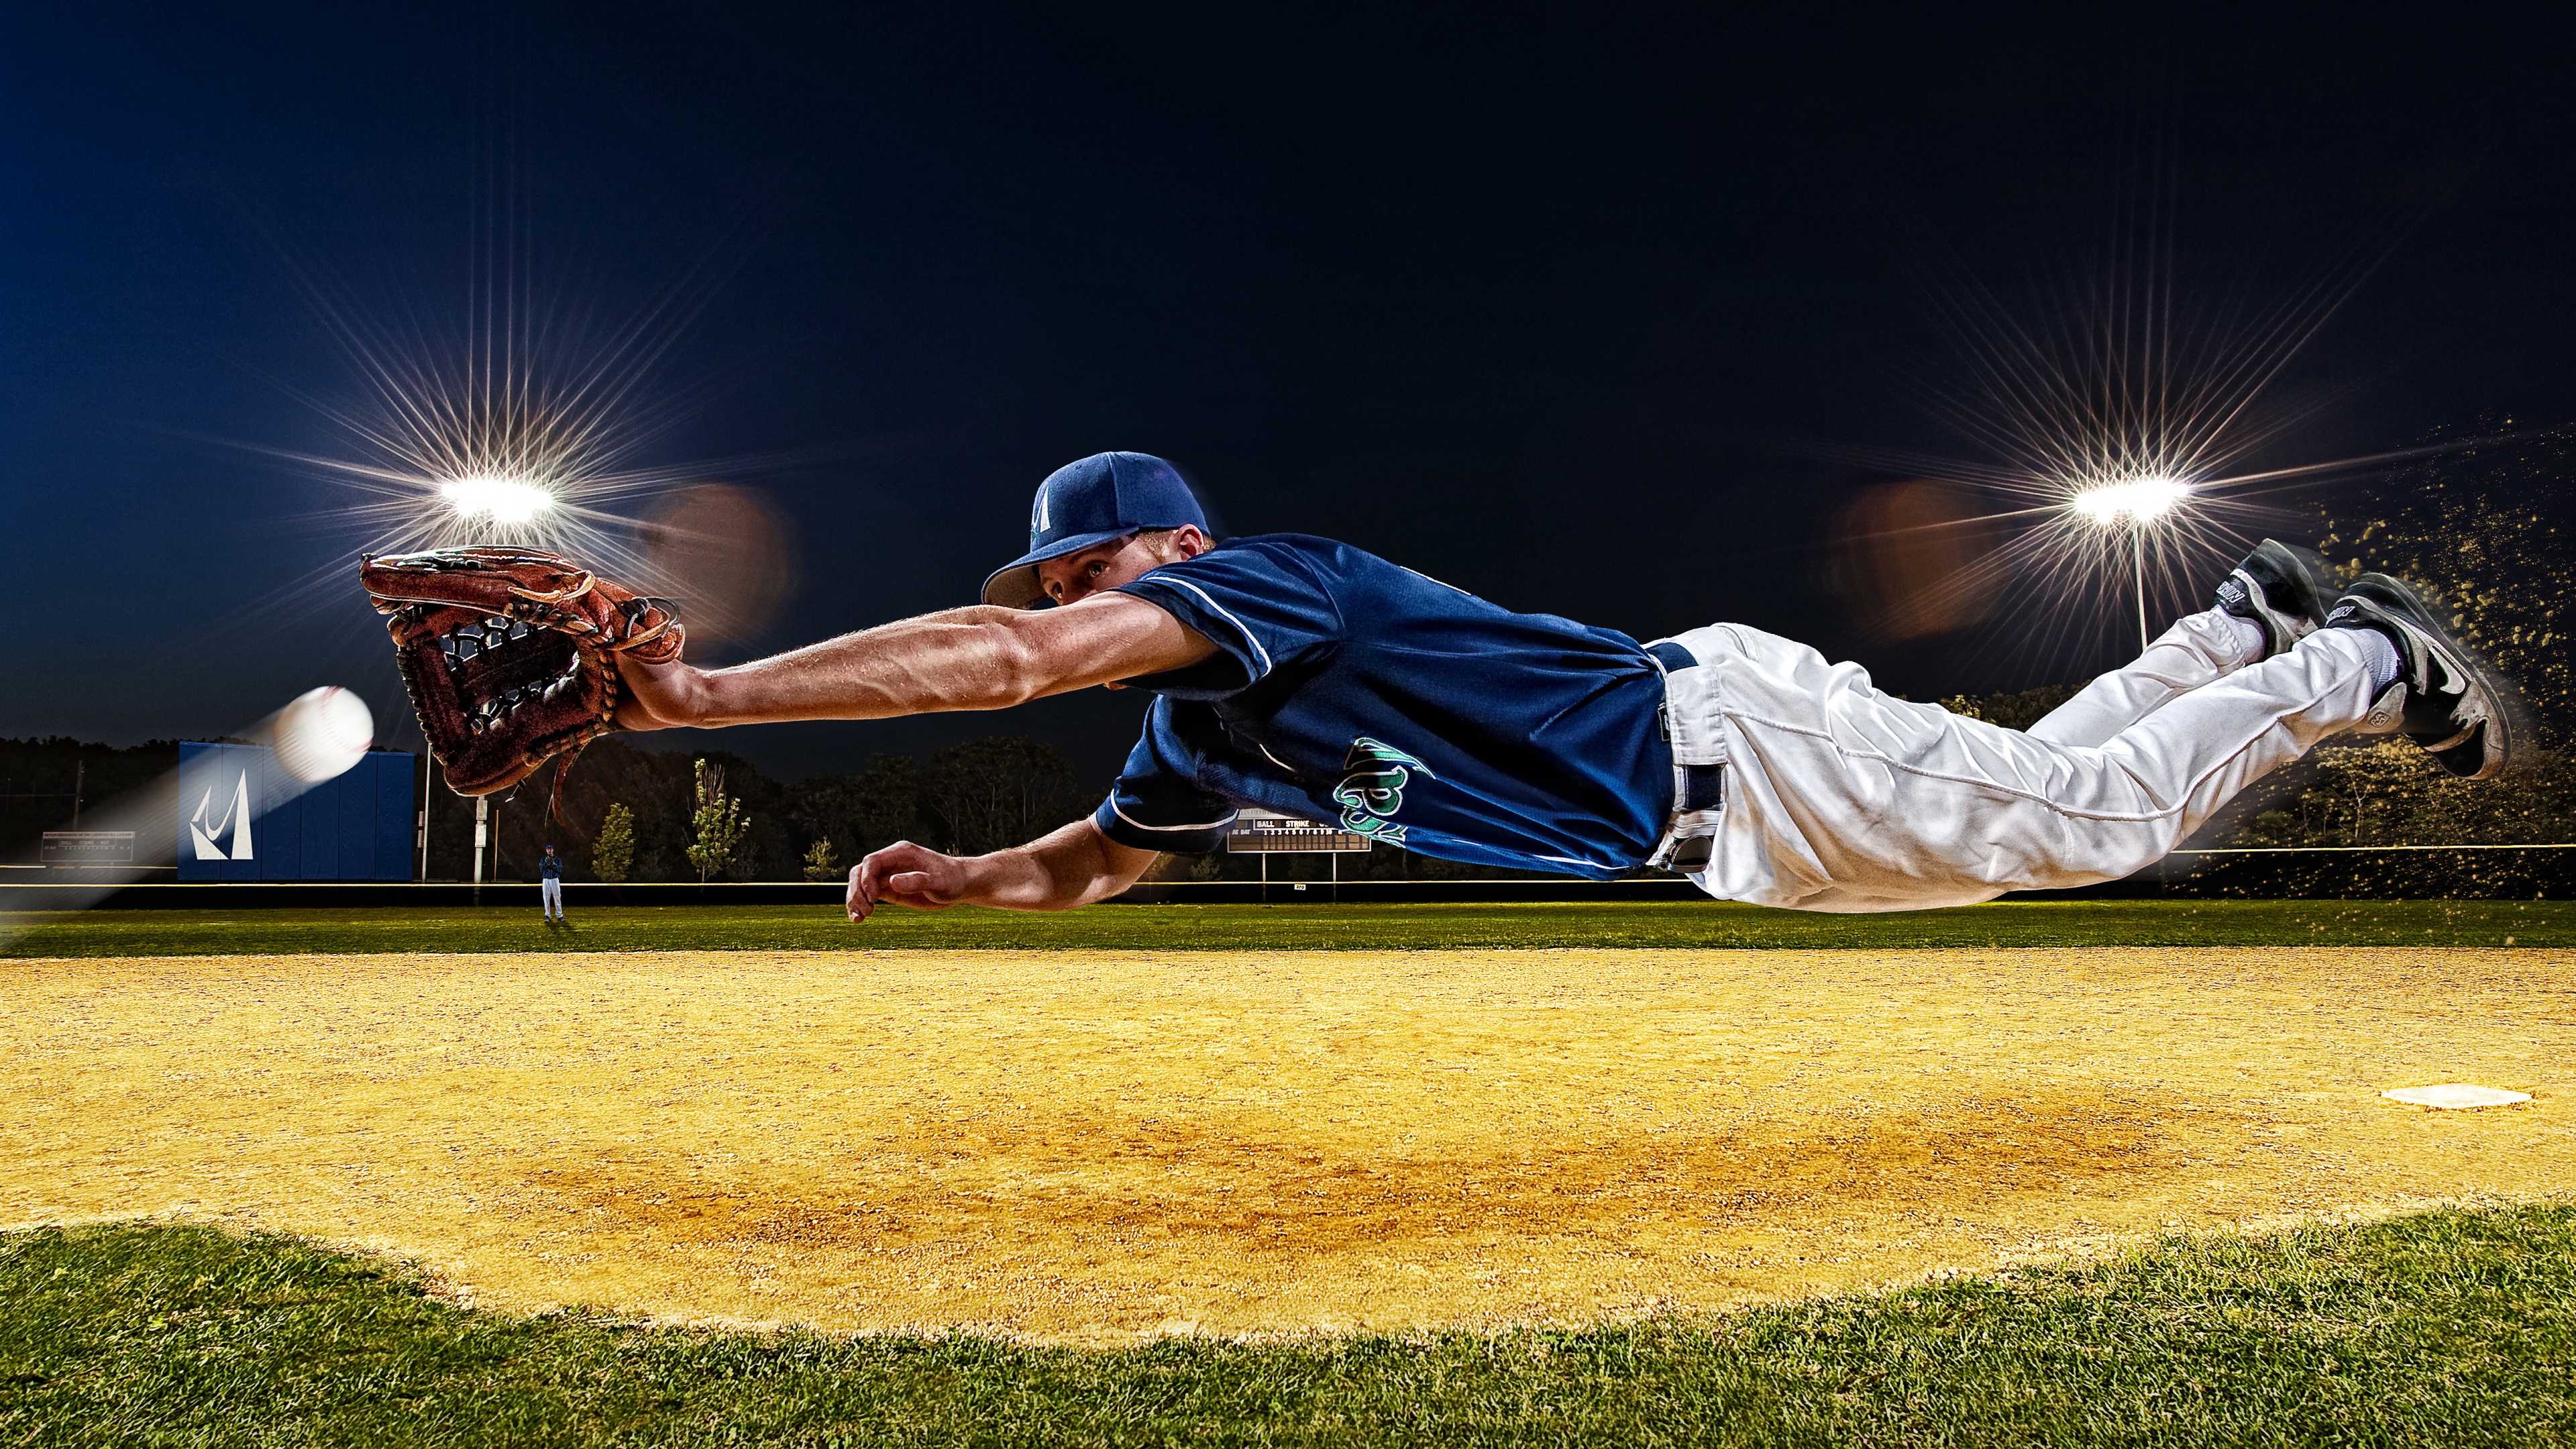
(322, 733)
(725, 554)
(1906, 560)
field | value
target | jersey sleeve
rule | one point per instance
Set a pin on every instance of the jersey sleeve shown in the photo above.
(1156, 805)
(1263, 604)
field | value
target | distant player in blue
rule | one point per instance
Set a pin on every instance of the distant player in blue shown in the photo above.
(1311, 678)
(550, 884)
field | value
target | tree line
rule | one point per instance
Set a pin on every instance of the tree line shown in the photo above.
(38, 779)
(966, 799)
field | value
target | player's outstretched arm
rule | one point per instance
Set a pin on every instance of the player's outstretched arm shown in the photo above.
(1070, 867)
(974, 658)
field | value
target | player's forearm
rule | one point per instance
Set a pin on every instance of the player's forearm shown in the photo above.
(1071, 867)
(978, 658)
(959, 659)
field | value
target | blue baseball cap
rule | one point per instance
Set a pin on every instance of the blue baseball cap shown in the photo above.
(1101, 498)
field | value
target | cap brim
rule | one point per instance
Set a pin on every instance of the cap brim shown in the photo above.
(1015, 584)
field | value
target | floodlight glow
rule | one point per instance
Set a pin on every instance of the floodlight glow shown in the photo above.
(2140, 500)
(501, 499)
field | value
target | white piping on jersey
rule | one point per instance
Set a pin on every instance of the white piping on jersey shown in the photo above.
(1283, 764)
(1229, 618)
(1569, 860)
(1141, 825)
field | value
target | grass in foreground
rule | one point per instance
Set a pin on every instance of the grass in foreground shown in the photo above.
(1370, 927)
(2448, 1328)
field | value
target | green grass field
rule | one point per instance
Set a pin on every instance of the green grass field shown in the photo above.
(1369, 927)
(2449, 1328)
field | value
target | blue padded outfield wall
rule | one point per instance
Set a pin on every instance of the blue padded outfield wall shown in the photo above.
(242, 818)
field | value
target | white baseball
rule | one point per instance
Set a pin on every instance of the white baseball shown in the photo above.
(322, 732)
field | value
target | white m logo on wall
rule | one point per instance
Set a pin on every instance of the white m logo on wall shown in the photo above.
(204, 832)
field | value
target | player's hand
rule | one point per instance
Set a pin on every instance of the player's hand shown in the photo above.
(908, 875)
(659, 696)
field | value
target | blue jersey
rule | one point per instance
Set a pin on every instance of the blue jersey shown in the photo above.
(1350, 690)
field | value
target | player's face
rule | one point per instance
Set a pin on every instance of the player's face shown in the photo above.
(1077, 576)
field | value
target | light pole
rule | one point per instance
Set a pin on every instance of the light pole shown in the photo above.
(2141, 501)
(2138, 574)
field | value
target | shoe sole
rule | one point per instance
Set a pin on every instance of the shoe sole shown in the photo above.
(2493, 736)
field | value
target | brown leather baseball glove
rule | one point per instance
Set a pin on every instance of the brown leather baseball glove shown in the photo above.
(510, 655)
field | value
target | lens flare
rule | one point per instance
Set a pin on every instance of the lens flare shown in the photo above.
(2120, 422)
(502, 500)
(523, 412)
(2138, 500)
(526, 418)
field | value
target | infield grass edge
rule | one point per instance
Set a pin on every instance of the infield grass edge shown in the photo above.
(2453, 1326)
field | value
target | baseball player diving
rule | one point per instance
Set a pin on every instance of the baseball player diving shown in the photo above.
(1308, 677)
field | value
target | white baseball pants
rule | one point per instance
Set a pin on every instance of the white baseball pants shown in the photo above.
(550, 894)
(1841, 798)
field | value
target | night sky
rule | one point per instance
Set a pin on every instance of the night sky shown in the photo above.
(1583, 313)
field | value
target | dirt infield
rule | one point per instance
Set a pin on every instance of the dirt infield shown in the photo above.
(1087, 1150)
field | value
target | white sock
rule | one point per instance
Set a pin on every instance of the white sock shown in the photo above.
(2380, 656)
(2247, 633)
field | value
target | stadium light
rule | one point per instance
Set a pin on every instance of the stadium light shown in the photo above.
(2139, 501)
(499, 498)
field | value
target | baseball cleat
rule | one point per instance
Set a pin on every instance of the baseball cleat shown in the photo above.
(2283, 589)
(2443, 699)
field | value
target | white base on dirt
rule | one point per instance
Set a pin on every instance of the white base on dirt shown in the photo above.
(2456, 1094)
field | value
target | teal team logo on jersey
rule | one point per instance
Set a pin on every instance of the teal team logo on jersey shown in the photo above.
(1374, 775)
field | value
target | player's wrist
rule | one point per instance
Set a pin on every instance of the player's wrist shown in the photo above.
(701, 699)
(659, 696)
(693, 698)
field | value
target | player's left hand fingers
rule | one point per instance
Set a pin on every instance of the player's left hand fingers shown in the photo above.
(868, 877)
(908, 875)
